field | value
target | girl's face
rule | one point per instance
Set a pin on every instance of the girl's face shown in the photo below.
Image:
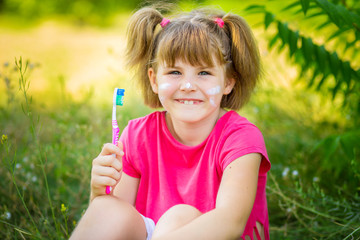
(190, 93)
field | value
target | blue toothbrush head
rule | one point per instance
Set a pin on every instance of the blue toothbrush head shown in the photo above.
(120, 96)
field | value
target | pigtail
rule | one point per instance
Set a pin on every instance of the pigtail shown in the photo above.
(245, 60)
(140, 46)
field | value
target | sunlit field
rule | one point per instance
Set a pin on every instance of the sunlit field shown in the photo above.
(57, 75)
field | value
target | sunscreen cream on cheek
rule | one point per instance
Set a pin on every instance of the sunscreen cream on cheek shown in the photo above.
(164, 86)
(212, 92)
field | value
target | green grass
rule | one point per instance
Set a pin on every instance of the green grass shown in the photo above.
(46, 155)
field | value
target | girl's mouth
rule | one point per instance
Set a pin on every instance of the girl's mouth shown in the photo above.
(189, 101)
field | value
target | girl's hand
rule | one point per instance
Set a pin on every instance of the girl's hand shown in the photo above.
(106, 169)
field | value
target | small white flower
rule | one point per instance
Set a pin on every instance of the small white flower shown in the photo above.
(316, 179)
(285, 172)
(34, 179)
(7, 215)
(295, 173)
(25, 159)
(18, 165)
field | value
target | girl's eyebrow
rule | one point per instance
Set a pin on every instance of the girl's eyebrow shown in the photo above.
(206, 68)
(172, 67)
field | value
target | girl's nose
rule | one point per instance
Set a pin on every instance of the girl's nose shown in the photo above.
(187, 86)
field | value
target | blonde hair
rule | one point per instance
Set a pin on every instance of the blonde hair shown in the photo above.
(196, 38)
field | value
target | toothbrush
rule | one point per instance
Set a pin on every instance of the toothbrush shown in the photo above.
(118, 100)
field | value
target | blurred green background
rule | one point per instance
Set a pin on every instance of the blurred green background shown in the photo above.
(60, 61)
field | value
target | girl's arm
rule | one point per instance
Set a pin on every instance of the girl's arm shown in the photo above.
(127, 188)
(234, 203)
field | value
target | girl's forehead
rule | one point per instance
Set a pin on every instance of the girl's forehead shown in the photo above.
(183, 62)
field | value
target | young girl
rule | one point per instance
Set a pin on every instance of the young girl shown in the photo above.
(194, 170)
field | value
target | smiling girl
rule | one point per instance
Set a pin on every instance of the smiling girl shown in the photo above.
(194, 170)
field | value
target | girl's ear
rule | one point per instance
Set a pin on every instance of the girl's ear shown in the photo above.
(152, 78)
(229, 85)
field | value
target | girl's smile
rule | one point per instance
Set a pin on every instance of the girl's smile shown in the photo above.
(190, 101)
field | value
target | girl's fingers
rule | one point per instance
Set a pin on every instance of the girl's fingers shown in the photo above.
(99, 182)
(108, 161)
(106, 172)
(109, 149)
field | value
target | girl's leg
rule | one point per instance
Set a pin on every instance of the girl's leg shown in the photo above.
(174, 218)
(110, 218)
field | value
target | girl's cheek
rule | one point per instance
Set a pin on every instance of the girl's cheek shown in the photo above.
(212, 93)
(212, 101)
(164, 90)
(164, 86)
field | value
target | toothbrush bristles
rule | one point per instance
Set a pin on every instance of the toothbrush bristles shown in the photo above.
(120, 97)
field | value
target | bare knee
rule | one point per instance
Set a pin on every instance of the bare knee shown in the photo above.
(110, 218)
(182, 213)
(176, 217)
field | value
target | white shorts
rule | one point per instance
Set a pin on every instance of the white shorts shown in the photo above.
(150, 227)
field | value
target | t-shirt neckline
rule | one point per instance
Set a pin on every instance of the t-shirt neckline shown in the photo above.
(220, 123)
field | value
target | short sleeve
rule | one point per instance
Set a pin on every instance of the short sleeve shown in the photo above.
(242, 140)
(129, 166)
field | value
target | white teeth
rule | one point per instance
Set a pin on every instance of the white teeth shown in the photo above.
(188, 102)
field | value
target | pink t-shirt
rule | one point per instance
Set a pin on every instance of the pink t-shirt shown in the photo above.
(172, 173)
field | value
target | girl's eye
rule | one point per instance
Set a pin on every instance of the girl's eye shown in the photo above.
(204, 73)
(175, 73)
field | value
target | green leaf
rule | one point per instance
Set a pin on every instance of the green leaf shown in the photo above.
(312, 80)
(331, 11)
(269, 18)
(349, 141)
(346, 72)
(357, 74)
(334, 143)
(344, 14)
(307, 48)
(255, 9)
(305, 5)
(357, 35)
(315, 15)
(322, 81)
(283, 32)
(330, 143)
(336, 88)
(334, 63)
(321, 26)
(288, 7)
(336, 34)
(293, 39)
(273, 41)
(339, 15)
(321, 57)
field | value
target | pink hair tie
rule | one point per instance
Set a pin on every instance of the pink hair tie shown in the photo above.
(219, 22)
(164, 22)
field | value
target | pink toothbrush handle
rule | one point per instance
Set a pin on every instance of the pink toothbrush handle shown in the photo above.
(108, 190)
(114, 141)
